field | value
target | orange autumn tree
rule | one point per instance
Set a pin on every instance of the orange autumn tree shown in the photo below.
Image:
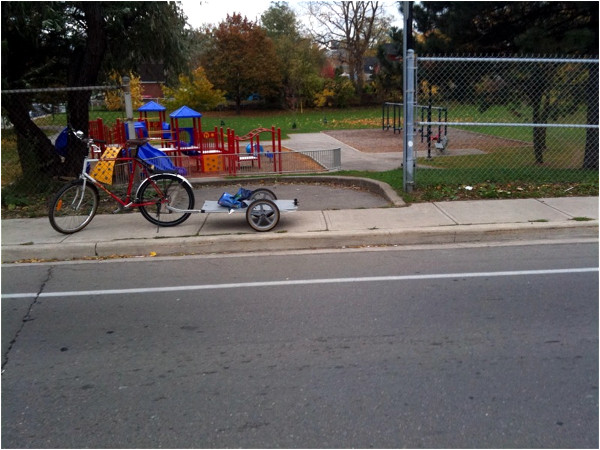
(242, 60)
(114, 99)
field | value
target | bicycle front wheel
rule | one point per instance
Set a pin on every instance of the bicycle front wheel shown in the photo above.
(165, 190)
(73, 207)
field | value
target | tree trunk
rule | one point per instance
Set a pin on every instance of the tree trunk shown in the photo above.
(539, 144)
(537, 89)
(358, 68)
(539, 133)
(36, 153)
(592, 141)
(83, 71)
(590, 157)
(78, 118)
(238, 104)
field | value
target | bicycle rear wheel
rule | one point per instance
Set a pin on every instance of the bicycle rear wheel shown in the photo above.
(175, 190)
(73, 207)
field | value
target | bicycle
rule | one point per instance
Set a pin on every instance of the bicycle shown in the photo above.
(164, 197)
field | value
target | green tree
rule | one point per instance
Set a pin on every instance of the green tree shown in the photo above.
(338, 92)
(564, 28)
(196, 91)
(242, 60)
(75, 44)
(507, 27)
(300, 60)
(200, 42)
(389, 78)
(280, 20)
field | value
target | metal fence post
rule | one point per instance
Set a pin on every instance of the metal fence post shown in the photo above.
(408, 141)
(337, 159)
(128, 108)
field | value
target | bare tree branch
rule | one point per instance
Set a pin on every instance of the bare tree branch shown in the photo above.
(350, 29)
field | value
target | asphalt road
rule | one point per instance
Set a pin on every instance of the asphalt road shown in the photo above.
(448, 347)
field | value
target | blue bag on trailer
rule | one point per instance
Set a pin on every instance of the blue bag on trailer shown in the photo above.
(229, 201)
(243, 194)
(235, 201)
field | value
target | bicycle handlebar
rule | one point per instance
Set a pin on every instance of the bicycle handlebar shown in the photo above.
(81, 138)
(137, 142)
(131, 142)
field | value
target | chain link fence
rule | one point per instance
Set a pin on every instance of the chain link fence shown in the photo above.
(506, 119)
(47, 107)
(478, 119)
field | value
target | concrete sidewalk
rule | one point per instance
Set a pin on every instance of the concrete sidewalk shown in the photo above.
(422, 223)
(352, 159)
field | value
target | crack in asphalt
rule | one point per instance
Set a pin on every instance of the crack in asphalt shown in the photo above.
(26, 318)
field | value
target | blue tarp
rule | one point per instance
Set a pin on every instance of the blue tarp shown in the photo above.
(158, 159)
(61, 142)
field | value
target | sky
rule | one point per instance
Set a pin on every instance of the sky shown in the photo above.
(213, 11)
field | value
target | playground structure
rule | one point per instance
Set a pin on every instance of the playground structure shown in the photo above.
(394, 121)
(198, 152)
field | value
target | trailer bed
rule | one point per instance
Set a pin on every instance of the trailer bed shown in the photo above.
(211, 206)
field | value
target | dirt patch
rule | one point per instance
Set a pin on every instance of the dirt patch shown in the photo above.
(384, 141)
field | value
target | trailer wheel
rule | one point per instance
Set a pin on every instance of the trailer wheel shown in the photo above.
(263, 193)
(262, 215)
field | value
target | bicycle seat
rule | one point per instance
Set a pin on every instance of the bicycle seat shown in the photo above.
(137, 142)
(154, 169)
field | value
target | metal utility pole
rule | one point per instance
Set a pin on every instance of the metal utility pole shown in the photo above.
(128, 107)
(408, 58)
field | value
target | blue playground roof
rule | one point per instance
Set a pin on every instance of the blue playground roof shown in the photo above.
(184, 112)
(152, 106)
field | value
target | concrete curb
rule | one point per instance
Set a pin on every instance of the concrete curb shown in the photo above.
(360, 238)
(202, 245)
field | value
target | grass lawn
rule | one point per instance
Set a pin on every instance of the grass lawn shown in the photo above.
(444, 185)
(308, 121)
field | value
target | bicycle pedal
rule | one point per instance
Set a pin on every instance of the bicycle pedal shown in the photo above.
(123, 208)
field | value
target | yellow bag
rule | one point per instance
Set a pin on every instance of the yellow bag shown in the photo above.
(104, 168)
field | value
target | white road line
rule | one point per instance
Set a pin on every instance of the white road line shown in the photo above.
(283, 283)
